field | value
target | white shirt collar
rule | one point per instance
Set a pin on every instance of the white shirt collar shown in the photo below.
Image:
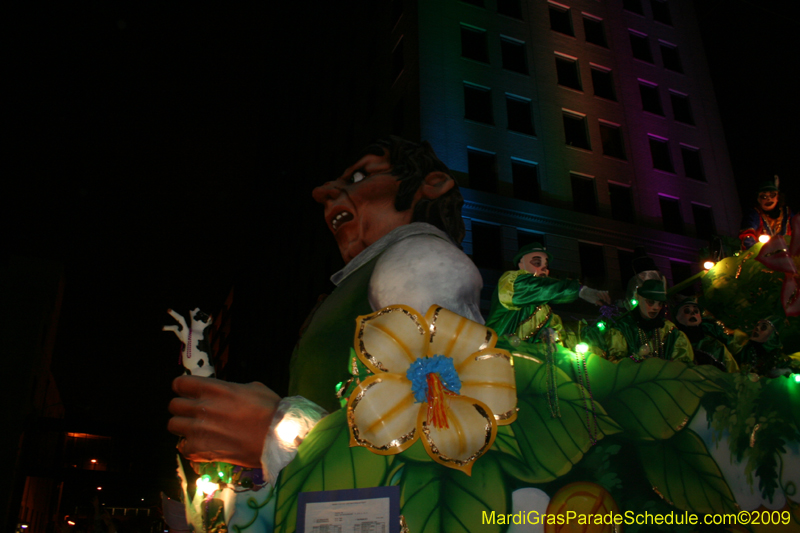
(397, 234)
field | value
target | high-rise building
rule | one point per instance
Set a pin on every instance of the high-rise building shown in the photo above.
(588, 125)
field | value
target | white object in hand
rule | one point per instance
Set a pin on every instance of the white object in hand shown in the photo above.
(196, 350)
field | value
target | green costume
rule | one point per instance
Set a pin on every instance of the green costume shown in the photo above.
(520, 304)
(631, 332)
(718, 344)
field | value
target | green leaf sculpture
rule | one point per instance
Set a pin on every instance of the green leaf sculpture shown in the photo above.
(325, 461)
(651, 400)
(685, 474)
(435, 499)
(551, 445)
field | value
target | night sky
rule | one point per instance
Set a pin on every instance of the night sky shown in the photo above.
(158, 155)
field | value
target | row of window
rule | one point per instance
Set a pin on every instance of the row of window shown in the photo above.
(659, 9)
(513, 8)
(487, 253)
(482, 168)
(474, 43)
(640, 47)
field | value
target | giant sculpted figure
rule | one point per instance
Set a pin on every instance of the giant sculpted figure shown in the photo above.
(396, 216)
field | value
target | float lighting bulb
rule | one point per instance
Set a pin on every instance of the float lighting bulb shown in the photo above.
(582, 348)
(205, 485)
(221, 474)
(708, 265)
(70, 522)
(93, 461)
(797, 378)
(634, 302)
(339, 386)
(288, 430)
(601, 325)
(763, 238)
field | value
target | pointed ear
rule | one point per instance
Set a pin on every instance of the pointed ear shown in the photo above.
(435, 185)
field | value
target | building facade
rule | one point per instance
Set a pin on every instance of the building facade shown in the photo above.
(588, 125)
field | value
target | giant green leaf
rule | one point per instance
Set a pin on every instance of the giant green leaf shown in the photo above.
(651, 400)
(552, 445)
(435, 499)
(685, 474)
(325, 461)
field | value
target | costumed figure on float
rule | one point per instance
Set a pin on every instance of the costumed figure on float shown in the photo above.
(770, 216)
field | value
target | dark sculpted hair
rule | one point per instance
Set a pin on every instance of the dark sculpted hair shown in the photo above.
(411, 162)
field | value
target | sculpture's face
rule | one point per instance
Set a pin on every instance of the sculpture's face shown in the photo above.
(689, 315)
(649, 308)
(359, 206)
(768, 200)
(762, 332)
(536, 263)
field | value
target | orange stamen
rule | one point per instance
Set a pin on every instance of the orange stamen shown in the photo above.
(437, 407)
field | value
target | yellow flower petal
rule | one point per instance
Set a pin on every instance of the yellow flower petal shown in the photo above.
(391, 339)
(382, 414)
(472, 431)
(489, 377)
(455, 336)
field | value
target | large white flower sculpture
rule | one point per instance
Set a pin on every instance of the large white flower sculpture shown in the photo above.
(437, 377)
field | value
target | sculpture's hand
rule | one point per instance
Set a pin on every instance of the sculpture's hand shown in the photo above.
(221, 421)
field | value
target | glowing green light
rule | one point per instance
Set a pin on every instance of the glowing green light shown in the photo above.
(206, 478)
(797, 378)
(601, 325)
(221, 474)
(582, 348)
(339, 386)
(634, 302)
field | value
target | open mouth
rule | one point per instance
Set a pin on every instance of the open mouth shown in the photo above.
(342, 218)
(693, 319)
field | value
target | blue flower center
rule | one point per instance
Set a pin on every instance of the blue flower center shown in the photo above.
(418, 372)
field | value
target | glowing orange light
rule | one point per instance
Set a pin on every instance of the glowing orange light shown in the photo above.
(99, 488)
(708, 265)
(70, 522)
(93, 461)
(763, 238)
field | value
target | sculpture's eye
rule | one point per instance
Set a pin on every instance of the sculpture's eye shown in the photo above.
(357, 176)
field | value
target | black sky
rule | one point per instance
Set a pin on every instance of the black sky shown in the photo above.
(157, 154)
